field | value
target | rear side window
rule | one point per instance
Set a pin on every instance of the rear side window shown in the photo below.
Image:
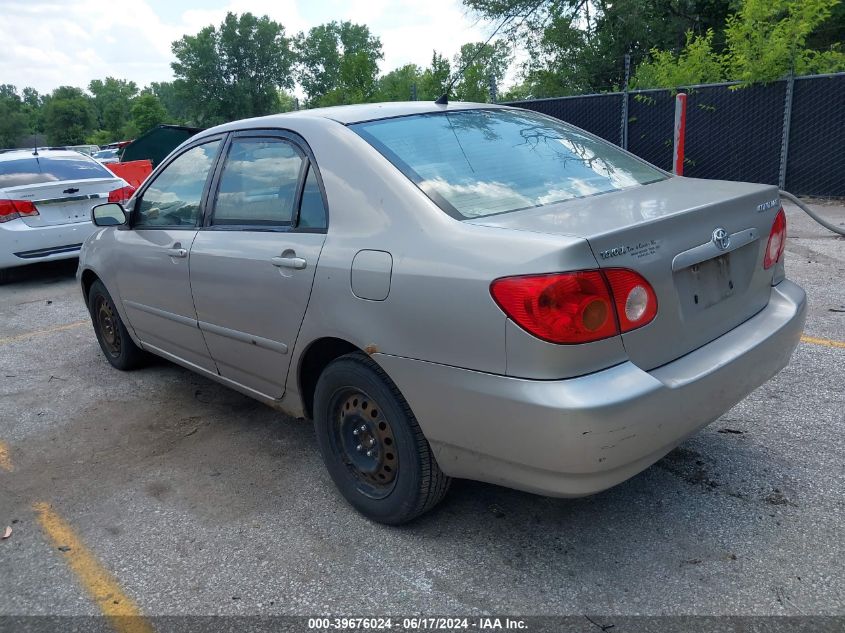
(173, 198)
(259, 183)
(34, 170)
(474, 163)
(312, 211)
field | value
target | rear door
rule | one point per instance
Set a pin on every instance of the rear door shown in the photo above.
(152, 270)
(253, 263)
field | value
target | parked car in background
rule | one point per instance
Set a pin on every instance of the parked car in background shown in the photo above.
(84, 149)
(106, 156)
(452, 290)
(45, 204)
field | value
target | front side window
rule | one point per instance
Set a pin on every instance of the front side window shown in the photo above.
(34, 170)
(258, 184)
(474, 163)
(173, 199)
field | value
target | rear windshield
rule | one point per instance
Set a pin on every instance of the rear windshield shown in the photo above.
(33, 170)
(474, 163)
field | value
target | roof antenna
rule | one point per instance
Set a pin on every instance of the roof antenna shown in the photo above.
(35, 141)
(444, 98)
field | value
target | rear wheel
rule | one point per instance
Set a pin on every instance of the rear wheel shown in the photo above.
(372, 445)
(4, 275)
(119, 348)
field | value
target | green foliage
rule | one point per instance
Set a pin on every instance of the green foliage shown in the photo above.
(176, 107)
(435, 78)
(14, 122)
(696, 64)
(767, 38)
(338, 63)
(111, 102)
(234, 71)
(68, 116)
(577, 47)
(488, 61)
(398, 84)
(147, 112)
(101, 137)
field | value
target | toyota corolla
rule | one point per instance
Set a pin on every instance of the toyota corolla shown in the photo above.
(449, 291)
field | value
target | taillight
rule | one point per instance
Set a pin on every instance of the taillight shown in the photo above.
(559, 308)
(13, 209)
(777, 241)
(576, 307)
(121, 195)
(636, 303)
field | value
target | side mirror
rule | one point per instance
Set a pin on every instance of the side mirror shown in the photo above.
(109, 214)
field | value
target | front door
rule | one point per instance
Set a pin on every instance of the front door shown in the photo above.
(152, 271)
(253, 264)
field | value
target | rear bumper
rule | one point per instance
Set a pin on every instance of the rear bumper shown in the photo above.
(21, 244)
(581, 435)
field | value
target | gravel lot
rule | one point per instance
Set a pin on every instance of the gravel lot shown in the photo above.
(199, 500)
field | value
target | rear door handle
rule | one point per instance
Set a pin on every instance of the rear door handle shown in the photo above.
(177, 252)
(297, 263)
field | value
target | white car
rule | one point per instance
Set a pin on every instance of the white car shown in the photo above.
(106, 156)
(45, 204)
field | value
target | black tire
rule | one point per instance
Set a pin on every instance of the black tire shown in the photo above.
(4, 276)
(118, 347)
(401, 453)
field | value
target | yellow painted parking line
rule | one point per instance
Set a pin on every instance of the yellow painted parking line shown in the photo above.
(5, 460)
(122, 612)
(822, 341)
(44, 332)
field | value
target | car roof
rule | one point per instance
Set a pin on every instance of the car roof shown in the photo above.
(348, 114)
(18, 154)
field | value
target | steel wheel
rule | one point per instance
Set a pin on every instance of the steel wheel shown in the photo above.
(107, 324)
(363, 437)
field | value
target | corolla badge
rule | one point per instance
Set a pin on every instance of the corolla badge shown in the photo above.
(721, 238)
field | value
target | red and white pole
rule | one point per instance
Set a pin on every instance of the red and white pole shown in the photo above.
(680, 133)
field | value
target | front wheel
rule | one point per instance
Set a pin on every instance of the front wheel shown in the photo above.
(119, 348)
(372, 445)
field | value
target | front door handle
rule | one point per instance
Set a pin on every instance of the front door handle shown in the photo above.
(297, 263)
(177, 252)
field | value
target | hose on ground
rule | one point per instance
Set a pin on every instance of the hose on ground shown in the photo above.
(831, 227)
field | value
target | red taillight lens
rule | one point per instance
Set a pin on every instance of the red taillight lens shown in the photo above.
(560, 308)
(577, 307)
(14, 209)
(121, 195)
(636, 303)
(777, 241)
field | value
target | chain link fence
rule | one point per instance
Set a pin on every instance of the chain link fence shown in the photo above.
(789, 133)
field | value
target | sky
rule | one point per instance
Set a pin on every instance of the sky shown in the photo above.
(52, 43)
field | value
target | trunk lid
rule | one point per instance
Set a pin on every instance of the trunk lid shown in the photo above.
(64, 202)
(665, 232)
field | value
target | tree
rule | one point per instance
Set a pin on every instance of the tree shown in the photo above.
(68, 116)
(112, 103)
(398, 84)
(168, 95)
(697, 63)
(480, 63)
(435, 78)
(765, 40)
(578, 46)
(234, 71)
(147, 112)
(14, 122)
(338, 63)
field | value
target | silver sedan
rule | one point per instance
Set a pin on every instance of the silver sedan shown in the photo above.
(458, 290)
